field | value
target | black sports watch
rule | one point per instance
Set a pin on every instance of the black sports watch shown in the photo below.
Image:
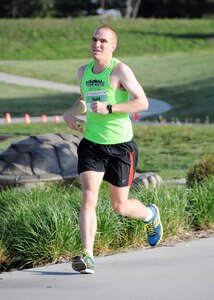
(109, 107)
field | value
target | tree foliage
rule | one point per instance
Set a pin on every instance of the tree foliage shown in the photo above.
(68, 8)
(176, 8)
(26, 8)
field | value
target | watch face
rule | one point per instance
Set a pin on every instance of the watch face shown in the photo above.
(109, 107)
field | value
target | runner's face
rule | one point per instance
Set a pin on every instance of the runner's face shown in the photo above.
(103, 44)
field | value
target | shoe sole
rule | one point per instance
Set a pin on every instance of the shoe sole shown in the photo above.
(81, 267)
(158, 216)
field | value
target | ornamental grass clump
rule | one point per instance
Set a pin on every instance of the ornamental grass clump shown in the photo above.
(201, 171)
(200, 205)
(41, 226)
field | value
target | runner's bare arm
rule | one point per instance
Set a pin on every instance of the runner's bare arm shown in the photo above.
(124, 78)
(130, 83)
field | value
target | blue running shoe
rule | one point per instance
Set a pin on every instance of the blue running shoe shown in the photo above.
(83, 264)
(154, 227)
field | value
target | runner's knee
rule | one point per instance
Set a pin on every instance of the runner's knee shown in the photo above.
(89, 200)
(119, 209)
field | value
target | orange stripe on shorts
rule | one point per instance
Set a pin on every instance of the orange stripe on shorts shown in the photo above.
(131, 171)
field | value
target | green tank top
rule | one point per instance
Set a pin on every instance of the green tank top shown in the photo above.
(112, 128)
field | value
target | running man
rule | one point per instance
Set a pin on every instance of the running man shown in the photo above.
(108, 151)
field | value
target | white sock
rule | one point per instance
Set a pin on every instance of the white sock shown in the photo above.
(150, 216)
(89, 252)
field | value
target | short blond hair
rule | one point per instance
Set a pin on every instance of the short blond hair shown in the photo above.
(114, 34)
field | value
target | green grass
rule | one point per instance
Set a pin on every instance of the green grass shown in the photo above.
(35, 128)
(41, 226)
(151, 70)
(169, 150)
(20, 101)
(172, 59)
(68, 38)
(46, 230)
(191, 102)
(200, 199)
(172, 150)
(181, 79)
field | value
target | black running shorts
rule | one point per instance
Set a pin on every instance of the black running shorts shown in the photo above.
(117, 161)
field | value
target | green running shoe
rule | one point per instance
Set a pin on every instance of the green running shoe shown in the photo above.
(83, 264)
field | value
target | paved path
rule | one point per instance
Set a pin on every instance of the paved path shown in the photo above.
(156, 107)
(181, 272)
(37, 83)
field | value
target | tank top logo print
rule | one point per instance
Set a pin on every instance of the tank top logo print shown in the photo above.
(95, 82)
(95, 96)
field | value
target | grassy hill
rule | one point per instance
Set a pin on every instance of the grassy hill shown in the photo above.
(70, 38)
(172, 59)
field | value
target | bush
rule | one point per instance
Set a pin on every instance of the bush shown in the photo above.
(202, 170)
(39, 226)
(200, 205)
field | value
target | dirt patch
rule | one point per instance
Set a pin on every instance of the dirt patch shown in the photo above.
(188, 236)
(183, 237)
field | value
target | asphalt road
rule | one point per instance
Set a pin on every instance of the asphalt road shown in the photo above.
(178, 272)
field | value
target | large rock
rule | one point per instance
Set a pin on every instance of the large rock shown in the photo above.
(147, 179)
(39, 159)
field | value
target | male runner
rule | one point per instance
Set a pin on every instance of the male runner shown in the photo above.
(108, 151)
